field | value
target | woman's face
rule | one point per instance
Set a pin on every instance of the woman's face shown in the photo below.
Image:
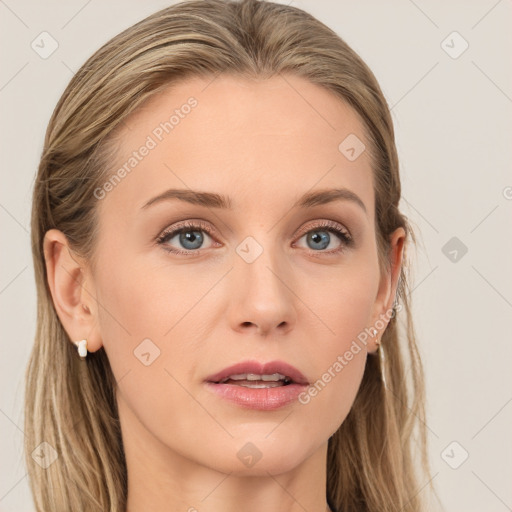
(255, 276)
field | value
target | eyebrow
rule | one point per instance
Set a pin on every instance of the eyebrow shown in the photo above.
(213, 200)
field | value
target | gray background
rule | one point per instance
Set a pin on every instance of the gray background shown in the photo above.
(453, 123)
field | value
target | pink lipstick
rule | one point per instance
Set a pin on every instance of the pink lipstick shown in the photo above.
(262, 386)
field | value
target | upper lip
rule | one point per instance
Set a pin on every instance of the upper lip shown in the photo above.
(260, 369)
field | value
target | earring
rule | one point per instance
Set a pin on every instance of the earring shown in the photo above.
(382, 358)
(383, 366)
(82, 348)
(377, 340)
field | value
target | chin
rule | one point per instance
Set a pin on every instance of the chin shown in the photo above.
(273, 464)
(261, 453)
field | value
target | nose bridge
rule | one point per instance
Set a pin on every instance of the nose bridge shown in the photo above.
(260, 255)
(262, 295)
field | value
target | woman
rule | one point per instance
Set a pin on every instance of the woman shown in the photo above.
(220, 264)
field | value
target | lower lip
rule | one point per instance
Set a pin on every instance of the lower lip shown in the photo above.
(263, 399)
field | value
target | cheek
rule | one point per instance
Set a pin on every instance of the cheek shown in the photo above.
(145, 313)
(134, 315)
(140, 300)
(343, 299)
(345, 305)
(151, 348)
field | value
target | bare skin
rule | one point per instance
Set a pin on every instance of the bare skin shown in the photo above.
(263, 145)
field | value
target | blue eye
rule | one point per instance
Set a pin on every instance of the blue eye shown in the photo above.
(190, 237)
(319, 238)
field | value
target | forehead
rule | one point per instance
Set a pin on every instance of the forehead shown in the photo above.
(273, 138)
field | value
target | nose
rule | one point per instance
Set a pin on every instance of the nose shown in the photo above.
(262, 300)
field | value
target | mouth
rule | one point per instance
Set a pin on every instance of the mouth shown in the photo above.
(257, 385)
(255, 374)
(255, 381)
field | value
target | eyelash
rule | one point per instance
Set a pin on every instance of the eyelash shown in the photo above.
(332, 227)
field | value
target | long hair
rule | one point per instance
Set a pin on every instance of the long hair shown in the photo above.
(70, 406)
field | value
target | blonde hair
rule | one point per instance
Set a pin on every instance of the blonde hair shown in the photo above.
(70, 404)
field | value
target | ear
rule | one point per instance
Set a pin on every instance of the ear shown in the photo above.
(72, 290)
(388, 287)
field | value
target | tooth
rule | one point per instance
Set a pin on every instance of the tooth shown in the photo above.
(273, 377)
(240, 376)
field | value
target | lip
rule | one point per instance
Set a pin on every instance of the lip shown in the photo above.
(265, 399)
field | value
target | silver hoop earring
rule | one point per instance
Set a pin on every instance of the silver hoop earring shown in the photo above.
(82, 348)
